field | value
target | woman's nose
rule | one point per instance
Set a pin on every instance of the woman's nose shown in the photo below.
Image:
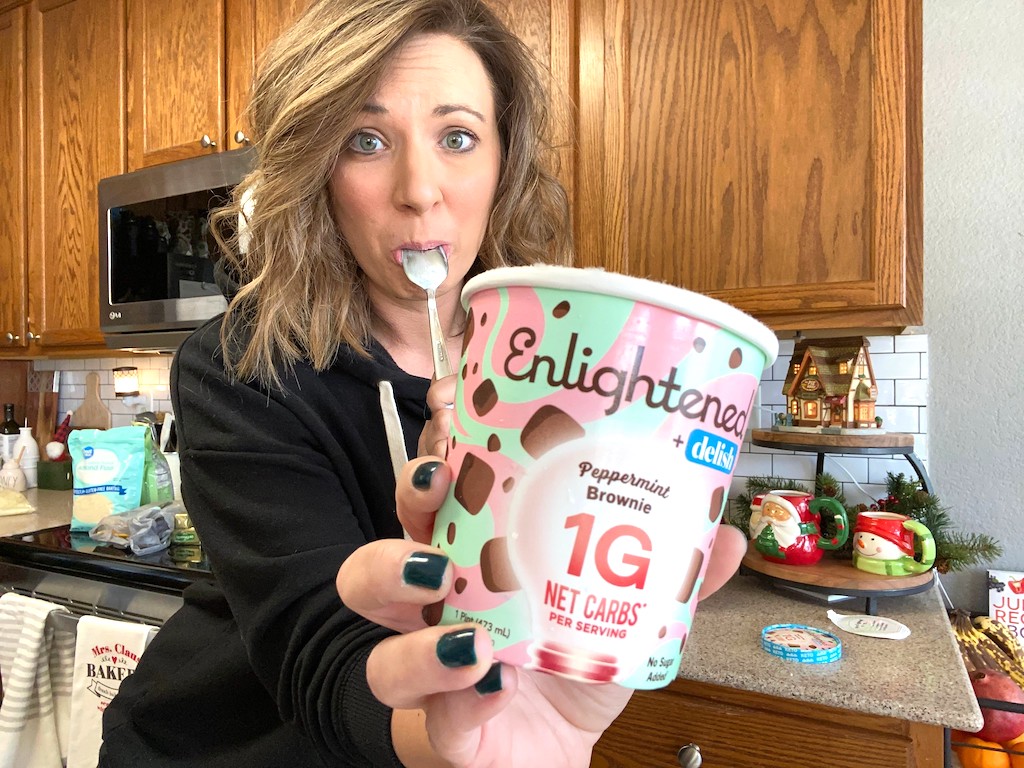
(418, 180)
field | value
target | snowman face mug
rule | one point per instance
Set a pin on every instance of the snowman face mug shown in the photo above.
(883, 543)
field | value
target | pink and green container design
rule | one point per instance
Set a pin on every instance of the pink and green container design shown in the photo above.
(597, 424)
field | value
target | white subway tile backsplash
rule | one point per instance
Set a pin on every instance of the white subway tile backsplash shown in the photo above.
(797, 466)
(754, 464)
(154, 373)
(900, 364)
(905, 365)
(899, 419)
(880, 345)
(856, 468)
(911, 392)
(886, 392)
(911, 342)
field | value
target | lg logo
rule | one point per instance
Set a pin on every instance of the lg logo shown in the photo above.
(115, 315)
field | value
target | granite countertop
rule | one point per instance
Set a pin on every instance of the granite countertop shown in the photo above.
(53, 508)
(920, 678)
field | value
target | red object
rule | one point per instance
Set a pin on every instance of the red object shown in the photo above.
(63, 430)
(888, 526)
(1000, 725)
(808, 547)
(1017, 587)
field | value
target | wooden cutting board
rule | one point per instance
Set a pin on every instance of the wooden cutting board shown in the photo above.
(42, 409)
(92, 413)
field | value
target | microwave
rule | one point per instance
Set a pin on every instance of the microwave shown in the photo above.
(157, 253)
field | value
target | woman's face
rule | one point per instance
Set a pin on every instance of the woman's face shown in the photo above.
(421, 167)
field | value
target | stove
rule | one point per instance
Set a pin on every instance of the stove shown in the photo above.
(91, 577)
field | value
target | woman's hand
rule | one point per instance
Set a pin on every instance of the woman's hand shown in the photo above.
(431, 674)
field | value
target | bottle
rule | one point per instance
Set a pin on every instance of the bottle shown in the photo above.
(9, 432)
(27, 447)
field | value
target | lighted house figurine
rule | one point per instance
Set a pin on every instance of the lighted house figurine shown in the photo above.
(830, 386)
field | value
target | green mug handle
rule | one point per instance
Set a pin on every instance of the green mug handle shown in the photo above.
(927, 548)
(839, 515)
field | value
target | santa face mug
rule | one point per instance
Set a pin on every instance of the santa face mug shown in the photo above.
(786, 526)
(883, 543)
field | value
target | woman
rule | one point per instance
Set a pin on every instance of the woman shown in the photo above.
(384, 125)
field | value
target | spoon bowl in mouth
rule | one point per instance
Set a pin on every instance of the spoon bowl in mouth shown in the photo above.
(427, 270)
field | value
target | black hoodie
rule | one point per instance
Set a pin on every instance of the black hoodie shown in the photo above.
(264, 666)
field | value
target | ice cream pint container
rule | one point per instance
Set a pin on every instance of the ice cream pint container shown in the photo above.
(597, 423)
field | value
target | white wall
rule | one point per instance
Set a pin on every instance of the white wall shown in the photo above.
(974, 271)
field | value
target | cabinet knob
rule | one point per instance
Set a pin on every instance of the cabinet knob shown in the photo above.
(206, 142)
(12, 337)
(34, 336)
(241, 138)
(689, 756)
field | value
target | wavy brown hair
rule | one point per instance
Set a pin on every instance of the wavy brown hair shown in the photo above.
(301, 294)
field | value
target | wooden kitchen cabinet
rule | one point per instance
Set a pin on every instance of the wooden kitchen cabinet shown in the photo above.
(190, 68)
(13, 252)
(741, 729)
(75, 137)
(766, 152)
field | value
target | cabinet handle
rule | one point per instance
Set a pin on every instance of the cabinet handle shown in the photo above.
(12, 338)
(34, 337)
(241, 138)
(689, 756)
(206, 142)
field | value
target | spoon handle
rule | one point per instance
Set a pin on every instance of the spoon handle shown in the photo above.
(438, 349)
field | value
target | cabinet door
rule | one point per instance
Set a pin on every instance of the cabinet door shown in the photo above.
(741, 729)
(252, 25)
(766, 152)
(547, 28)
(13, 277)
(175, 80)
(76, 127)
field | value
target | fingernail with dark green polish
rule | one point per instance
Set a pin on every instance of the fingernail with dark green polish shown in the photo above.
(458, 648)
(491, 682)
(424, 569)
(424, 474)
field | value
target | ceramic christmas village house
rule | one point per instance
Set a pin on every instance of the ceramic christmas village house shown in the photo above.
(830, 387)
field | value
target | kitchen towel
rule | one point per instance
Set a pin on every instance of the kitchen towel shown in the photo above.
(106, 652)
(36, 657)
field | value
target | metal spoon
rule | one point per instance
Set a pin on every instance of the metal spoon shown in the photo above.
(428, 269)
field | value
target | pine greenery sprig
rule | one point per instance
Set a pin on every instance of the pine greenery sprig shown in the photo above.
(954, 550)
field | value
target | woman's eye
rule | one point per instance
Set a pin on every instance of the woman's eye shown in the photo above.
(459, 141)
(366, 143)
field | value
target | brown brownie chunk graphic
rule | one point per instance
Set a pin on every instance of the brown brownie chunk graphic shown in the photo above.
(715, 508)
(485, 397)
(460, 585)
(468, 333)
(493, 443)
(476, 478)
(547, 428)
(699, 344)
(432, 613)
(736, 358)
(561, 310)
(691, 576)
(451, 533)
(507, 485)
(496, 567)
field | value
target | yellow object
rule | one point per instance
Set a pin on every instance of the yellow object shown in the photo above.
(14, 503)
(1002, 636)
(979, 651)
(977, 756)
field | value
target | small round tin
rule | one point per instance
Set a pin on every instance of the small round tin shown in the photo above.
(797, 642)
